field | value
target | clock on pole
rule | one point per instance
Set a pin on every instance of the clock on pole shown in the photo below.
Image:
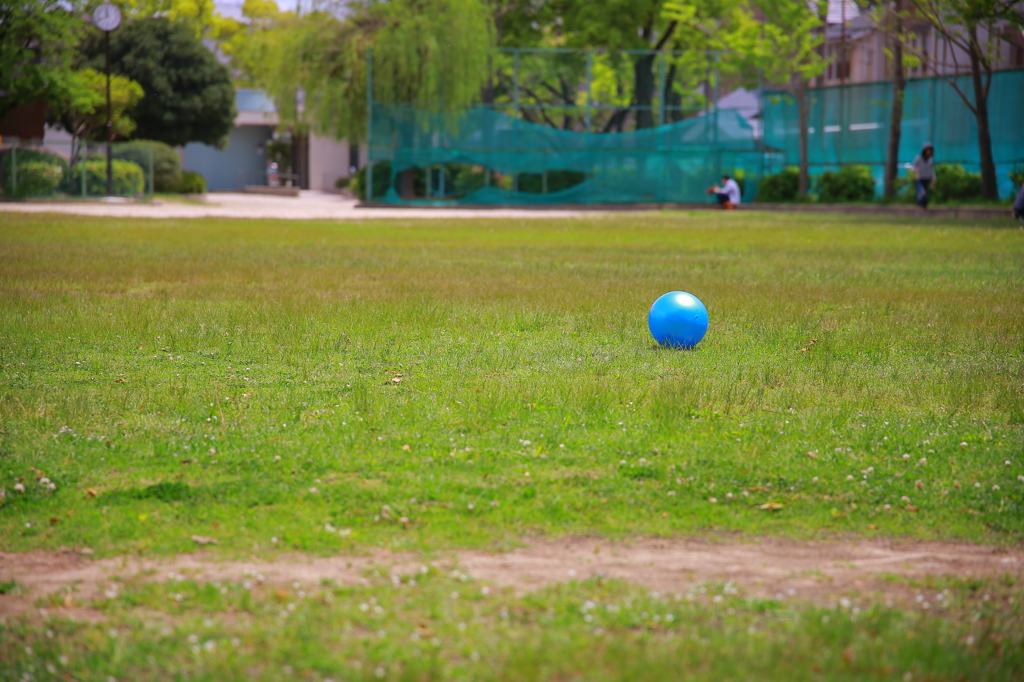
(107, 17)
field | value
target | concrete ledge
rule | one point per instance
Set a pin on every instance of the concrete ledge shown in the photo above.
(273, 191)
(984, 212)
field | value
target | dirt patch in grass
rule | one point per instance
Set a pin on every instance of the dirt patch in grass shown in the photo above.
(813, 571)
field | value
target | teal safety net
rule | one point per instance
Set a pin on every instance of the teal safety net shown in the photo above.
(850, 124)
(483, 156)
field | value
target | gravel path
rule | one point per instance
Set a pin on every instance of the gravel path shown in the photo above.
(308, 206)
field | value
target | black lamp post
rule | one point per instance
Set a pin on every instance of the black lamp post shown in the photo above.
(107, 17)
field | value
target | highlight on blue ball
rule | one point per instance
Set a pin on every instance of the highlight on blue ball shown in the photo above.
(678, 320)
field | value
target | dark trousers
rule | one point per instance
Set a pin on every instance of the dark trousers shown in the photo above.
(722, 197)
(923, 192)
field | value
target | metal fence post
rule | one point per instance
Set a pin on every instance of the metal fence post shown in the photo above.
(84, 151)
(369, 124)
(661, 89)
(152, 180)
(14, 170)
(515, 99)
(590, 75)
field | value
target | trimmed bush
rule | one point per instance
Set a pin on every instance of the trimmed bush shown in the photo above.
(342, 182)
(38, 179)
(129, 180)
(780, 187)
(954, 183)
(34, 182)
(192, 183)
(166, 164)
(849, 183)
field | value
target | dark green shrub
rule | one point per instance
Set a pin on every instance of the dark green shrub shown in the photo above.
(38, 179)
(1017, 178)
(780, 187)
(849, 183)
(129, 179)
(954, 183)
(166, 163)
(192, 183)
(25, 157)
(342, 182)
(558, 180)
(381, 180)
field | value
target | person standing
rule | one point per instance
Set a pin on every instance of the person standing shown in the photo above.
(923, 168)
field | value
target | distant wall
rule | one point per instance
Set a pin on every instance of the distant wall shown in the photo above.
(243, 162)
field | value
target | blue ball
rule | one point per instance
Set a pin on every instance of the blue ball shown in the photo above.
(678, 320)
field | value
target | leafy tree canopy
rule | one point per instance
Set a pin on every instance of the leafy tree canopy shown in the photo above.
(84, 111)
(37, 48)
(189, 94)
(430, 54)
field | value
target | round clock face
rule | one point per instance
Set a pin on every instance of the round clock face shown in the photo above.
(107, 17)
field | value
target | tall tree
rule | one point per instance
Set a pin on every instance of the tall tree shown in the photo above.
(189, 93)
(892, 20)
(783, 38)
(428, 54)
(37, 48)
(624, 25)
(961, 23)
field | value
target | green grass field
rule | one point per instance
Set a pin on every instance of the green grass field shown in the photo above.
(427, 386)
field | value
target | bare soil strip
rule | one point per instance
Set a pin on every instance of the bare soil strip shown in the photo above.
(812, 571)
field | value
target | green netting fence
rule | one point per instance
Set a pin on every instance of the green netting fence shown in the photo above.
(484, 156)
(567, 126)
(850, 124)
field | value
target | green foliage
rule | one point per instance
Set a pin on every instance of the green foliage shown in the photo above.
(415, 61)
(852, 183)
(38, 39)
(381, 180)
(166, 162)
(1017, 177)
(192, 183)
(129, 179)
(189, 94)
(37, 179)
(35, 172)
(84, 112)
(342, 182)
(780, 187)
(953, 183)
(558, 180)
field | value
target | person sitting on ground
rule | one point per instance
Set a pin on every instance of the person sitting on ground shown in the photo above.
(728, 194)
(923, 168)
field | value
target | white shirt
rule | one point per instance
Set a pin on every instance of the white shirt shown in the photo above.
(732, 190)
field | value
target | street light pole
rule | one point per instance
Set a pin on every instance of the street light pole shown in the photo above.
(110, 128)
(106, 18)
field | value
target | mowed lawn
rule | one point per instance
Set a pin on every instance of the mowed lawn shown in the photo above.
(279, 387)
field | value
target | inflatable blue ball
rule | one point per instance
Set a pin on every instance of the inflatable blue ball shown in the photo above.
(678, 320)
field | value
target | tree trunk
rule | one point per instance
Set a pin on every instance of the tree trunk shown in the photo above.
(643, 93)
(801, 103)
(989, 188)
(673, 99)
(899, 86)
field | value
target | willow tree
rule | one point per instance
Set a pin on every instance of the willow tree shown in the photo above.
(426, 54)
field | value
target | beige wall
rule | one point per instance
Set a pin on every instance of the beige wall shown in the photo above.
(328, 161)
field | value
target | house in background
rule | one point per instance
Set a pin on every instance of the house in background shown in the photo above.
(318, 161)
